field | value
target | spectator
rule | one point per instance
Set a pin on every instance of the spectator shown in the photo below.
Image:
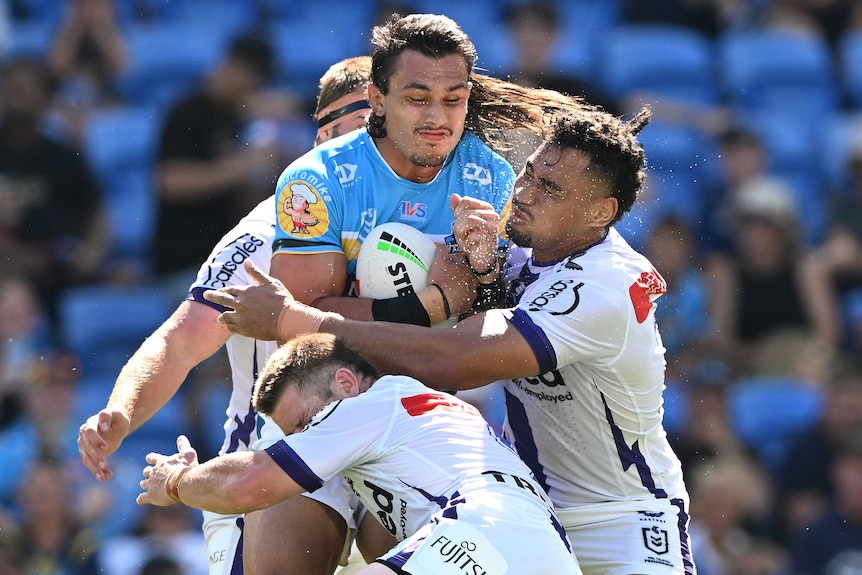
(767, 285)
(87, 54)
(162, 532)
(841, 252)
(729, 497)
(53, 229)
(24, 330)
(53, 540)
(805, 479)
(683, 312)
(205, 179)
(832, 544)
(535, 31)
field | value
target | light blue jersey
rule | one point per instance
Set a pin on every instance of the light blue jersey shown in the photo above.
(329, 199)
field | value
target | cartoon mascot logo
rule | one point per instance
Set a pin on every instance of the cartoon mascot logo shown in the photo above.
(301, 207)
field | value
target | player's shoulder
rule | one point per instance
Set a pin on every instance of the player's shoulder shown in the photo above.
(473, 148)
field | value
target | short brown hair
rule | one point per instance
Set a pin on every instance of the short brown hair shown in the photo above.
(343, 78)
(307, 362)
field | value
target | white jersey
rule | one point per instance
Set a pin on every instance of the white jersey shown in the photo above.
(590, 426)
(251, 239)
(410, 452)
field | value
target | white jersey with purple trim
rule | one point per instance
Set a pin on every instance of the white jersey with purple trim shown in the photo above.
(410, 452)
(329, 199)
(250, 239)
(590, 425)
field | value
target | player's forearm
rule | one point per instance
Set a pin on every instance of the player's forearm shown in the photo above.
(235, 484)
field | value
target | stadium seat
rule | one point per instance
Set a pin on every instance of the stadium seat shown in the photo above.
(833, 147)
(166, 60)
(670, 62)
(29, 39)
(120, 144)
(300, 67)
(778, 71)
(767, 412)
(103, 325)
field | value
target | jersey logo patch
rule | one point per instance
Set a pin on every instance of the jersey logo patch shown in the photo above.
(477, 173)
(301, 212)
(655, 540)
(642, 292)
(423, 403)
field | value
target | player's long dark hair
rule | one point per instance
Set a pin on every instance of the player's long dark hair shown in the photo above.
(495, 106)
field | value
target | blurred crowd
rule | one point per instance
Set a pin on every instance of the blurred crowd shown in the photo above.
(135, 133)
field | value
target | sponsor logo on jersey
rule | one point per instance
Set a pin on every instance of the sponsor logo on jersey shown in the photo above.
(563, 294)
(229, 260)
(346, 172)
(384, 507)
(423, 403)
(644, 290)
(477, 173)
(414, 212)
(302, 212)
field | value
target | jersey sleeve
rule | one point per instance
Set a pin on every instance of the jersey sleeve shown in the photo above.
(566, 319)
(344, 434)
(309, 207)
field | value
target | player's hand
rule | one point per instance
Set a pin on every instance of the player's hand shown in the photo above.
(266, 311)
(154, 486)
(476, 229)
(254, 310)
(99, 437)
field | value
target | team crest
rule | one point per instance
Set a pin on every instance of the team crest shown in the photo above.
(655, 540)
(302, 213)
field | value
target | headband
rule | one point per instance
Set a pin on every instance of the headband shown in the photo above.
(342, 111)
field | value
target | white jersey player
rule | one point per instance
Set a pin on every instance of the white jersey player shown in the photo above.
(574, 342)
(426, 464)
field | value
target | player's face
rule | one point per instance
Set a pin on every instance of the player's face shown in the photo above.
(559, 206)
(344, 124)
(294, 410)
(425, 109)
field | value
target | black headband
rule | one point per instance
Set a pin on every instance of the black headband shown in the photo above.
(342, 111)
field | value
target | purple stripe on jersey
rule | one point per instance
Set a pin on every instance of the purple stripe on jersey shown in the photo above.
(682, 522)
(236, 566)
(523, 440)
(197, 294)
(246, 424)
(535, 336)
(632, 456)
(292, 464)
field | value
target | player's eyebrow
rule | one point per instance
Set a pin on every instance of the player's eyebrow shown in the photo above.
(426, 88)
(545, 181)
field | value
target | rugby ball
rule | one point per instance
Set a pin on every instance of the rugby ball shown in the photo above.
(394, 260)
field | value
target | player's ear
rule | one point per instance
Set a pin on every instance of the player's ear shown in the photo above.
(603, 211)
(345, 384)
(375, 98)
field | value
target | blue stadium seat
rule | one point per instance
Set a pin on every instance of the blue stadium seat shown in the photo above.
(669, 62)
(833, 147)
(103, 325)
(29, 39)
(779, 71)
(166, 60)
(299, 65)
(767, 412)
(120, 144)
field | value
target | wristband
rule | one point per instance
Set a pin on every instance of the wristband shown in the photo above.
(487, 272)
(300, 319)
(172, 485)
(489, 296)
(445, 301)
(403, 309)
